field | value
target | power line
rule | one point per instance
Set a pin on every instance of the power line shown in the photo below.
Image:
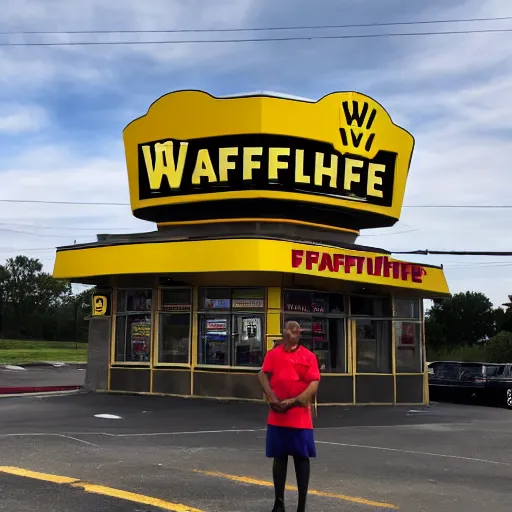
(459, 206)
(458, 253)
(74, 203)
(92, 203)
(59, 228)
(262, 39)
(256, 29)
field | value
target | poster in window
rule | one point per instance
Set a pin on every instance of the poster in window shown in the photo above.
(216, 326)
(251, 329)
(218, 303)
(140, 339)
(406, 334)
(248, 303)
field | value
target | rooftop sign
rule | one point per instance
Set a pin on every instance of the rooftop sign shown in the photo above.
(339, 161)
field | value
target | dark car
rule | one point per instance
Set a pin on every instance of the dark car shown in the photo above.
(484, 381)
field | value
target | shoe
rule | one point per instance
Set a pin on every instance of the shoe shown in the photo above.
(278, 506)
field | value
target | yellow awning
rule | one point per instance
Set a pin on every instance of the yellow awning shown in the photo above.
(248, 255)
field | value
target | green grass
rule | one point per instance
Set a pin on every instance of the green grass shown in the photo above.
(466, 354)
(19, 351)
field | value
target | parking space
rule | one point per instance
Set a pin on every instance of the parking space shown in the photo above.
(209, 456)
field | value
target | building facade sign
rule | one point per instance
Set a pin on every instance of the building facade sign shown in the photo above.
(194, 157)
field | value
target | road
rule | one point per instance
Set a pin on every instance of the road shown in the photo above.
(161, 453)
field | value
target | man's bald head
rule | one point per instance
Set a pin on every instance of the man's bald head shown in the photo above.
(291, 332)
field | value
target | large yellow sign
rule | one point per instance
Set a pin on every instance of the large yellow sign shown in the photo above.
(339, 161)
(250, 255)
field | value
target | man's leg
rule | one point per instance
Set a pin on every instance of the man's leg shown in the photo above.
(302, 469)
(279, 469)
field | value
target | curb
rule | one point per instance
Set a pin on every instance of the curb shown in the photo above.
(20, 390)
(41, 364)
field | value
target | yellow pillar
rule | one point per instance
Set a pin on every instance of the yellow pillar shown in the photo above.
(273, 322)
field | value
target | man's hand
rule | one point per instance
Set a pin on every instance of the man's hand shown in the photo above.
(285, 405)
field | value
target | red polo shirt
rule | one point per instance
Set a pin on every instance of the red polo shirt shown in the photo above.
(291, 373)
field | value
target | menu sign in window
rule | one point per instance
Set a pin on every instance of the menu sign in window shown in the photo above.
(248, 303)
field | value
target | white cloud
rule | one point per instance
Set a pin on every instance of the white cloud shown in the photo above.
(452, 92)
(15, 119)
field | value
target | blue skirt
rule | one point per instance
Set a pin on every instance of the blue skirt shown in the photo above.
(296, 442)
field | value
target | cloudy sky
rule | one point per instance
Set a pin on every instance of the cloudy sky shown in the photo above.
(63, 109)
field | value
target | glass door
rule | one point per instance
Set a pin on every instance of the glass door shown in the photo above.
(247, 336)
(214, 340)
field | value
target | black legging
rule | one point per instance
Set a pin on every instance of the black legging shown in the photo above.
(279, 470)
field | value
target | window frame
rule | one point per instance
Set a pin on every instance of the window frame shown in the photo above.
(420, 347)
(384, 320)
(344, 316)
(159, 313)
(118, 314)
(229, 313)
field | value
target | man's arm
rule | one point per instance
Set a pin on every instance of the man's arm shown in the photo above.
(307, 395)
(265, 384)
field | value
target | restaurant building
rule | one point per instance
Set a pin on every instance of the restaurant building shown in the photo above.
(258, 201)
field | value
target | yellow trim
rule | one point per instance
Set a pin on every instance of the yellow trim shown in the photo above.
(231, 255)
(194, 337)
(353, 343)
(127, 366)
(213, 366)
(375, 374)
(362, 404)
(156, 366)
(112, 333)
(155, 321)
(274, 298)
(410, 374)
(393, 349)
(273, 323)
(426, 389)
(337, 375)
(157, 369)
(257, 219)
(332, 404)
(204, 369)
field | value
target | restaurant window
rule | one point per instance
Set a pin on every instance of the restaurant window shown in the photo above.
(320, 316)
(407, 308)
(133, 326)
(408, 347)
(370, 306)
(231, 326)
(174, 326)
(373, 346)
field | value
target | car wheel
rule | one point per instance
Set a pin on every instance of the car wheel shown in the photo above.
(508, 398)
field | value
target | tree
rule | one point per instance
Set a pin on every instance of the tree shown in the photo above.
(31, 298)
(500, 348)
(464, 319)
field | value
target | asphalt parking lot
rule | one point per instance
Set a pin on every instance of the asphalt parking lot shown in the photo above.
(161, 453)
(42, 375)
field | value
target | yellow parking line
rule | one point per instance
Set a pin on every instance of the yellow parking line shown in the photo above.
(99, 489)
(265, 483)
(56, 479)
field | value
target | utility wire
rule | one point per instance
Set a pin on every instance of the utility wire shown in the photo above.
(260, 40)
(458, 253)
(255, 29)
(92, 203)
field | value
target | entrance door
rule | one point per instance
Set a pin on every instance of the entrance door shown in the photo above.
(247, 335)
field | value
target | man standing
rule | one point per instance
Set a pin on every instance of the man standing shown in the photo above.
(289, 377)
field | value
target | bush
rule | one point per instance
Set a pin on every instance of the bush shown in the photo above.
(475, 353)
(500, 347)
